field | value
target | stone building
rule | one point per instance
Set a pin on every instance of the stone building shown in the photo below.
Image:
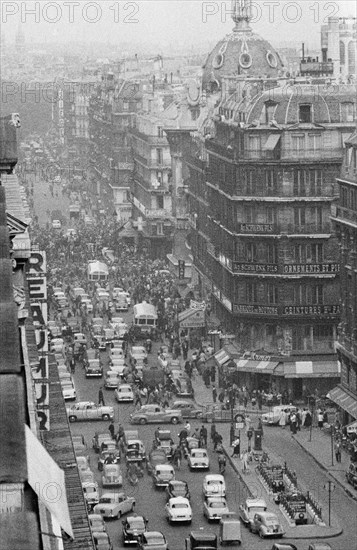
(339, 44)
(345, 219)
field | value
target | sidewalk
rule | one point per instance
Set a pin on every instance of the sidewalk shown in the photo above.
(252, 482)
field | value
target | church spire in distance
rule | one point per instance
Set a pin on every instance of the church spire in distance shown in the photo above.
(241, 14)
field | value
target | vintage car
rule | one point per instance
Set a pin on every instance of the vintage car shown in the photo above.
(86, 475)
(152, 540)
(116, 353)
(109, 451)
(162, 475)
(214, 486)
(102, 541)
(266, 524)
(53, 329)
(98, 439)
(80, 338)
(156, 457)
(114, 505)
(137, 353)
(87, 410)
(90, 491)
(183, 386)
(133, 527)
(154, 413)
(135, 451)
(112, 476)
(351, 475)
(250, 507)
(112, 379)
(93, 368)
(56, 345)
(124, 393)
(166, 442)
(272, 417)
(79, 443)
(119, 367)
(96, 523)
(83, 462)
(198, 459)
(214, 508)
(178, 509)
(68, 390)
(188, 409)
(177, 488)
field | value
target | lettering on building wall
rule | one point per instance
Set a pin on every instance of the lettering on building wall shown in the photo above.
(255, 268)
(256, 228)
(311, 310)
(255, 310)
(37, 283)
(311, 268)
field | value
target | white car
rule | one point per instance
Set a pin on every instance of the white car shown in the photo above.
(138, 352)
(57, 345)
(86, 475)
(96, 523)
(87, 410)
(112, 476)
(273, 416)
(82, 463)
(178, 509)
(116, 353)
(56, 224)
(198, 459)
(79, 291)
(91, 493)
(68, 390)
(124, 392)
(114, 505)
(214, 486)
(119, 367)
(214, 508)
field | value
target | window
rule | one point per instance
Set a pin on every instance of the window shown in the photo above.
(342, 53)
(254, 144)
(317, 294)
(299, 216)
(314, 253)
(315, 141)
(270, 214)
(317, 217)
(160, 228)
(269, 181)
(160, 131)
(250, 182)
(305, 114)
(352, 57)
(249, 214)
(298, 143)
(159, 176)
(272, 294)
(159, 156)
(160, 201)
(315, 181)
(269, 112)
(299, 183)
(271, 253)
(251, 291)
(347, 111)
(250, 252)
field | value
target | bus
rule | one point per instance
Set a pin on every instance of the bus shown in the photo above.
(145, 318)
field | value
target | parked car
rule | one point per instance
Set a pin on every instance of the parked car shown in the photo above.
(290, 546)
(214, 508)
(90, 491)
(178, 509)
(102, 541)
(133, 527)
(83, 462)
(137, 352)
(166, 442)
(155, 413)
(112, 476)
(68, 390)
(188, 409)
(152, 540)
(250, 507)
(124, 393)
(177, 488)
(100, 438)
(114, 505)
(198, 459)
(93, 368)
(162, 475)
(79, 443)
(110, 451)
(214, 485)
(266, 524)
(273, 416)
(57, 345)
(86, 475)
(87, 410)
(320, 545)
(351, 474)
(135, 451)
(96, 523)
(156, 457)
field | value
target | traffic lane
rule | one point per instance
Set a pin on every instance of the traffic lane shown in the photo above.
(315, 480)
(151, 502)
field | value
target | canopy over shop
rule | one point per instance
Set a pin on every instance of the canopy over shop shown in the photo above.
(97, 271)
(345, 400)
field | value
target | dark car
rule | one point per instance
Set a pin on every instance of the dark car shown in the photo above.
(177, 488)
(133, 527)
(188, 409)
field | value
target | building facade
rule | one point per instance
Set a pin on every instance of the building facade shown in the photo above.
(345, 219)
(339, 45)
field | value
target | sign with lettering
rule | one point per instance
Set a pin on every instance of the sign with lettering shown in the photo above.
(255, 310)
(311, 268)
(192, 318)
(256, 228)
(255, 268)
(311, 310)
(37, 283)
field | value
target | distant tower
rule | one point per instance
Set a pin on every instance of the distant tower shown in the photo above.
(20, 43)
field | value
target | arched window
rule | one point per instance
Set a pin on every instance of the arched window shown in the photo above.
(342, 53)
(352, 57)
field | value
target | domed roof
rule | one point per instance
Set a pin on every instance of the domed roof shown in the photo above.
(241, 52)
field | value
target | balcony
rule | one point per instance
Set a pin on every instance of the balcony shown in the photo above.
(346, 214)
(258, 228)
(310, 229)
(158, 213)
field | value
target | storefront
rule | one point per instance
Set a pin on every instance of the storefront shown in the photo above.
(254, 374)
(304, 378)
(346, 401)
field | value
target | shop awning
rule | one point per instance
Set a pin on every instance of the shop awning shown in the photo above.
(344, 399)
(263, 367)
(222, 357)
(271, 142)
(312, 369)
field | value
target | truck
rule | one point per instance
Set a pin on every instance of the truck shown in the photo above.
(201, 539)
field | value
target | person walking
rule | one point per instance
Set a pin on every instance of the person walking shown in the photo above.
(320, 419)
(236, 448)
(338, 451)
(111, 430)
(203, 435)
(213, 431)
(214, 394)
(137, 398)
(101, 396)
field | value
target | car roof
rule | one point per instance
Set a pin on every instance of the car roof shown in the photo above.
(177, 500)
(216, 499)
(177, 482)
(167, 467)
(255, 502)
(212, 477)
(153, 535)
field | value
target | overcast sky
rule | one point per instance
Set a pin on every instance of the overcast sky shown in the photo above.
(182, 23)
